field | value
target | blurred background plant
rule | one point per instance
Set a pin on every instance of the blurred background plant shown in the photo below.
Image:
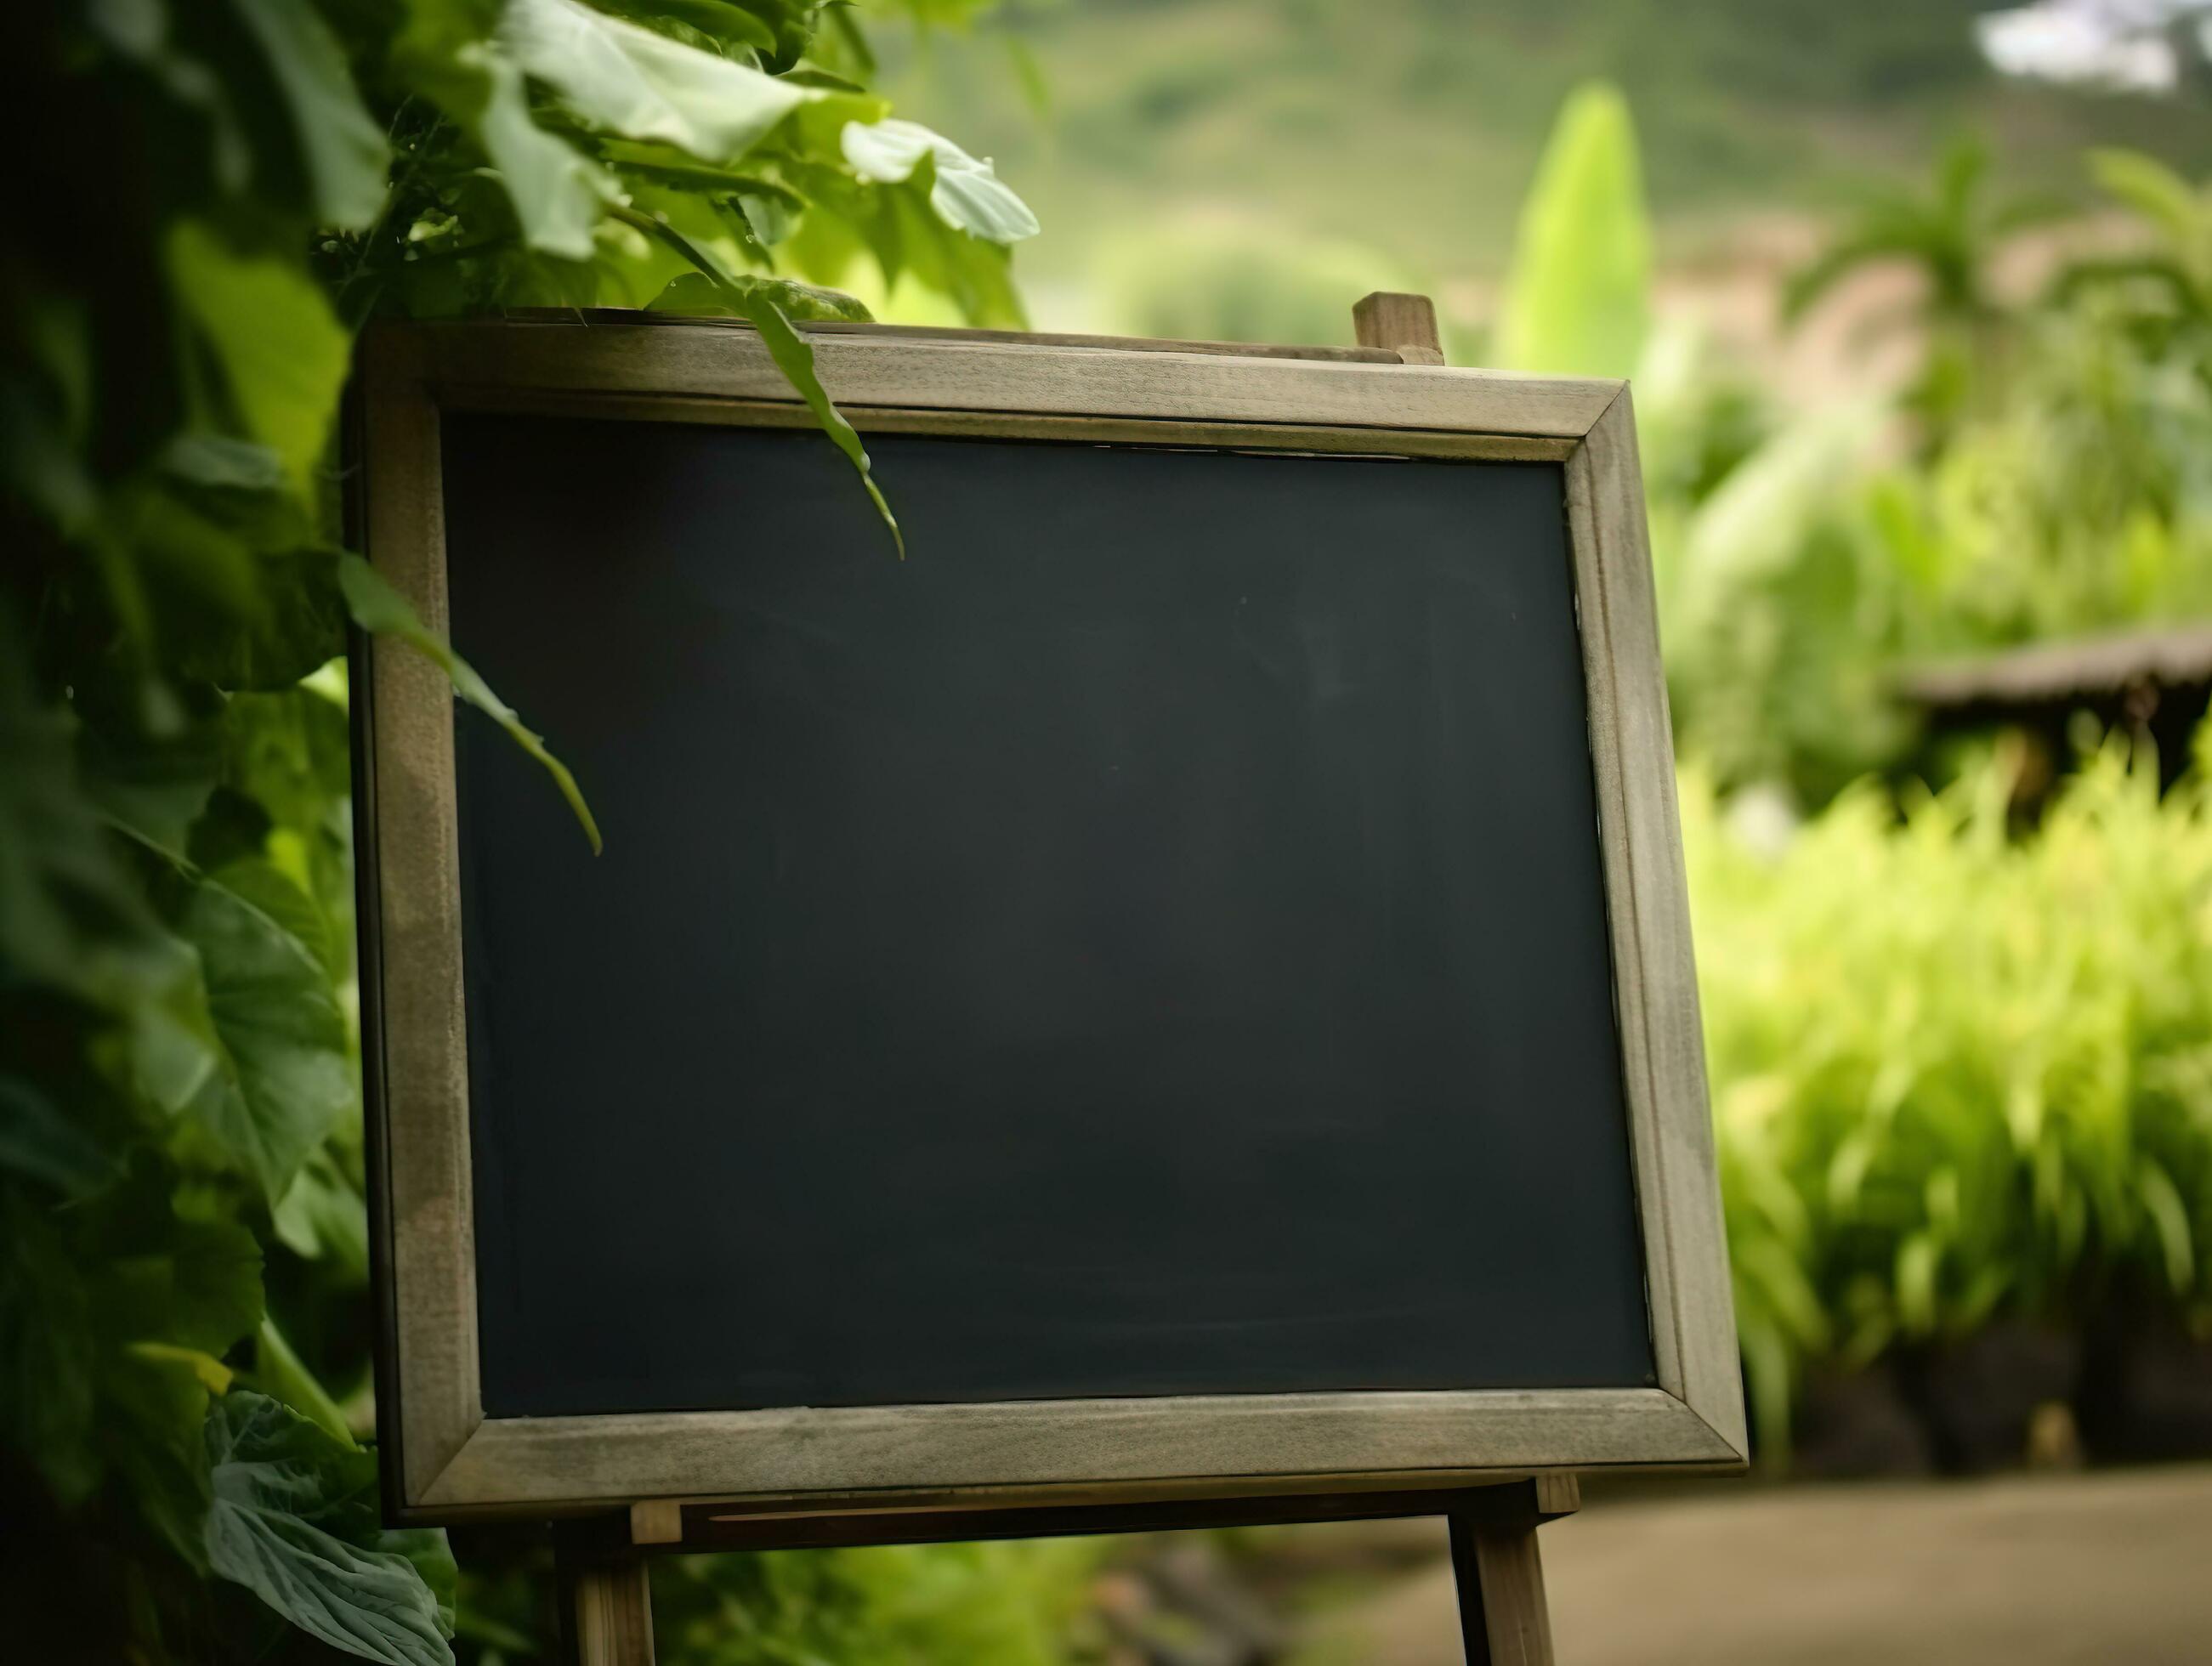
(1906, 398)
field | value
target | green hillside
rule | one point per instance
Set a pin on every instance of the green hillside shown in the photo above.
(1411, 126)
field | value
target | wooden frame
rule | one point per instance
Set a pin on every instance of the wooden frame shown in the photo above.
(446, 1461)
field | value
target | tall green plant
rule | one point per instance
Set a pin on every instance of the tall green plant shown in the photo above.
(221, 194)
(1578, 297)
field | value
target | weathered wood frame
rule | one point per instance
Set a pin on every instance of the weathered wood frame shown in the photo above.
(453, 1462)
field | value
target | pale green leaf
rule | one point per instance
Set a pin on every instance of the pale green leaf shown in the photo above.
(294, 1521)
(1578, 295)
(629, 81)
(557, 192)
(344, 149)
(966, 192)
(283, 352)
(281, 1077)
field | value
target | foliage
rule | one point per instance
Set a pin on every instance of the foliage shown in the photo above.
(222, 195)
(1578, 298)
(986, 1604)
(1948, 236)
(1956, 1073)
(2068, 489)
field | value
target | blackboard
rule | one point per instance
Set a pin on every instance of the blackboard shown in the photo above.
(1153, 940)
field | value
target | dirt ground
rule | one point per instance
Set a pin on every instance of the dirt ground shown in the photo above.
(2029, 1570)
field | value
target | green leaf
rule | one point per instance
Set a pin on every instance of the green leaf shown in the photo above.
(283, 352)
(294, 1521)
(700, 295)
(323, 1218)
(1578, 295)
(280, 1076)
(966, 194)
(557, 192)
(152, 778)
(794, 354)
(379, 608)
(630, 80)
(344, 149)
(191, 1284)
(37, 1141)
(431, 1558)
(217, 460)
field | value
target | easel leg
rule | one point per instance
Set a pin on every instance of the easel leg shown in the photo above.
(607, 1610)
(1502, 1617)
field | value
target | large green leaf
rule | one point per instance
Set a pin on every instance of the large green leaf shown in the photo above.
(294, 1521)
(1578, 297)
(557, 192)
(966, 192)
(641, 85)
(279, 1076)
(379, 608)
(283, 352)
(344, 147)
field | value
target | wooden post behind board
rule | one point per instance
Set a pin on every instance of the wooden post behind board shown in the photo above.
(1405, 324)
(605, 1594)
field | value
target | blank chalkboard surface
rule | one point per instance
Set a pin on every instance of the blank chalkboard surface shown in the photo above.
(1150, 941)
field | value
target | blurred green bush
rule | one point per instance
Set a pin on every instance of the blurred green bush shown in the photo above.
(1957, 1074)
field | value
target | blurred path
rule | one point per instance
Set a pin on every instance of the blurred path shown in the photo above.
(2028, 1571)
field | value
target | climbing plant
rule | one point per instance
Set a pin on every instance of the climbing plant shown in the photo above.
(218, 197)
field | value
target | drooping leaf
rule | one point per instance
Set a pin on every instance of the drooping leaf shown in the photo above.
(344, 149)
(283, 352)
(1578, 294)
(793, 353)
(280, 1076)
(641, 85)
(378, 608)
(967, 193)
(293, 1520)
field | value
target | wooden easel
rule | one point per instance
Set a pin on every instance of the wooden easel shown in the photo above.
(605, 1598)
(606, 1601)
